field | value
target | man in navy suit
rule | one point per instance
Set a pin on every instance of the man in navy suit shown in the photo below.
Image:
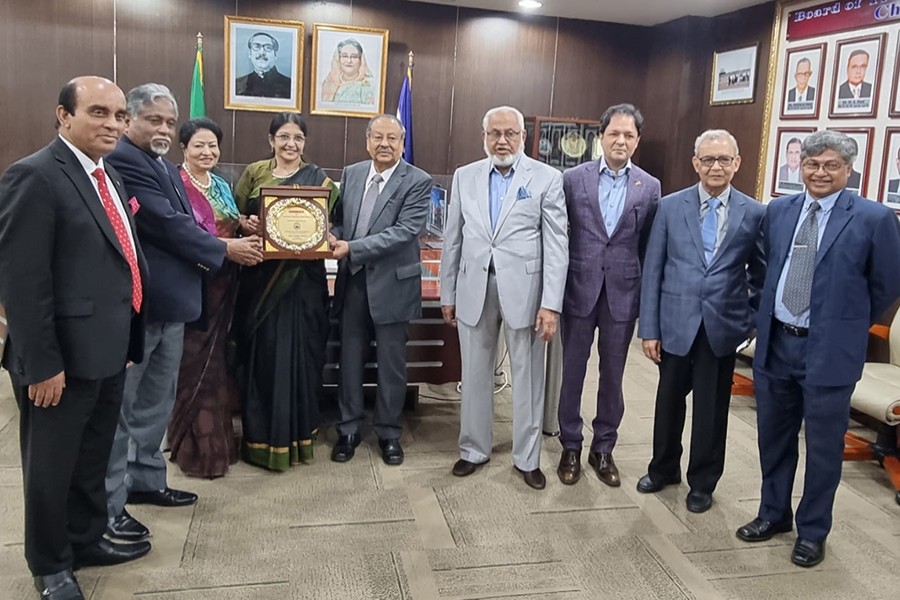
(834, 268)
(179, 253)
(611, 203)
(702, 273)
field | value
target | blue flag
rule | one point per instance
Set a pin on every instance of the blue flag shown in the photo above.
(404, 113)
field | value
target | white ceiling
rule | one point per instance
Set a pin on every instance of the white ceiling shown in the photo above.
(635, 12)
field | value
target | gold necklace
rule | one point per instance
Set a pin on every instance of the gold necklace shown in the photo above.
(200, 186)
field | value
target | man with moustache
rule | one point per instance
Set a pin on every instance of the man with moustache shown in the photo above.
(702, 275)
(179, 254)
(789, 172)
(264, 81)
(611, 204)
(505, 257)
(71, 279)
(384, 205)
(833, 271)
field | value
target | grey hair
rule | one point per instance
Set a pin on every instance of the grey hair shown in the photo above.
(498, 109)
(144, 95)
(822, 141)
(389, 117)
(715, 134)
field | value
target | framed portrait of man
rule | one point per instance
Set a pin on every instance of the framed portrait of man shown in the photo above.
(857, 77)
(895, 90)
(787, 178)
(263, 64)
(349, 66)
(733, 76)
(890, 175)
(802, 92)
(859, 174)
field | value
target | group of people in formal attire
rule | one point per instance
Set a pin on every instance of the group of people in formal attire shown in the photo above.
(140, 308)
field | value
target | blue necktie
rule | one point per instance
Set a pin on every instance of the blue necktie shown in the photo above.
(709, 228)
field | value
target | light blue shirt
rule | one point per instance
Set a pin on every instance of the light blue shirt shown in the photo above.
(613, 185)
(781, 311)
(499, 186)
(721, 212)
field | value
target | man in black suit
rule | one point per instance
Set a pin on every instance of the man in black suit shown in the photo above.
(803, 92)
(264, 80)
(71, 273)
(179, 254)
(384, 203)
(855, 86)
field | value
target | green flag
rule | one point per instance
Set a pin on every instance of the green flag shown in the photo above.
(198, 102)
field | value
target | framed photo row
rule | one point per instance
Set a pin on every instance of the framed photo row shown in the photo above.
(734, 76)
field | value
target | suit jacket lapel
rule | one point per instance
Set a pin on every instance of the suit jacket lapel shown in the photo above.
(521, 178)
(737, 208)
(482, 194)
(389, 189)
(840, 216)
(783, 232)
(632, 194)
(591, 183)
(691, 208)
(73, 170)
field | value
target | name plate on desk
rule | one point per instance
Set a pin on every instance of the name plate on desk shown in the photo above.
(294, 222)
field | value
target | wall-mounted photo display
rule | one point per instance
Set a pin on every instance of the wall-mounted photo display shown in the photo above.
(859, 174)
(890, 174)
(788, 177)
(349, 66)
(263, 64)
(895, 93)
(802, 92)
(857, 77)
(733, 76)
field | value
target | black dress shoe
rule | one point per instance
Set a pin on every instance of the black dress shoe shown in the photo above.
(126, 528)
(105, 553)
(605, 467)
(698, 502)
(59, 586)
(808, 553)
(646, 485)
(463, 468)
(345, 447)
(391, 452)
(758, 530)
(569, 469)
(534, 479)
(163, 497)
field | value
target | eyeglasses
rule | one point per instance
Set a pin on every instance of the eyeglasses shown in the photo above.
(256, 47)
(509, 135)
(349, 56)
(709, 161)
(832, 166)
(285, 138)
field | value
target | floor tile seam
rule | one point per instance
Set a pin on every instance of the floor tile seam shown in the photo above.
(173, 591)
(497, 566)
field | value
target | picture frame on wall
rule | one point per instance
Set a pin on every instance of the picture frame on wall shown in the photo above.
(859, 175)
(788, 177)
(263, 64)
(857, 77)
(801, 96)
(895, 93)
(349, 68)
(734, 76)
(890, 175)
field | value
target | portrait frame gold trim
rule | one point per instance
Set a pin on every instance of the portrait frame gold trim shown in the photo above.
(293, 222)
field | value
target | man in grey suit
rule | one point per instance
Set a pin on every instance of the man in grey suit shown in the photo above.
(702, 275)
(505, 256)
(611, 204)
(385, 203)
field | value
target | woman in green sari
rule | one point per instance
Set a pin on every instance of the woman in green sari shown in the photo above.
(284, 314)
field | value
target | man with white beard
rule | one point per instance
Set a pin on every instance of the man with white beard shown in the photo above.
(505, 258)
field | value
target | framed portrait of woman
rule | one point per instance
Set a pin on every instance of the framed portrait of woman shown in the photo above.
(349, 66)
(263, 64)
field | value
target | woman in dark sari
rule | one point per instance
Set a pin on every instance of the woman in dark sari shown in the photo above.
(284, 313)
(200, 433)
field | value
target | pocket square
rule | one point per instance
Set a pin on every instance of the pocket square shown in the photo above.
(134, 205)
(523, 194)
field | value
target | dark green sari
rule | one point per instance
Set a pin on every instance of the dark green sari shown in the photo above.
(283, 312)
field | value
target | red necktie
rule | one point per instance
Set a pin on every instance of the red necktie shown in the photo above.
(109, 205)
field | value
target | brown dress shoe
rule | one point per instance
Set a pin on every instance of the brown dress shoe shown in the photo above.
(534, 479)
(462, 467)
(605, 467)
(569, 469)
